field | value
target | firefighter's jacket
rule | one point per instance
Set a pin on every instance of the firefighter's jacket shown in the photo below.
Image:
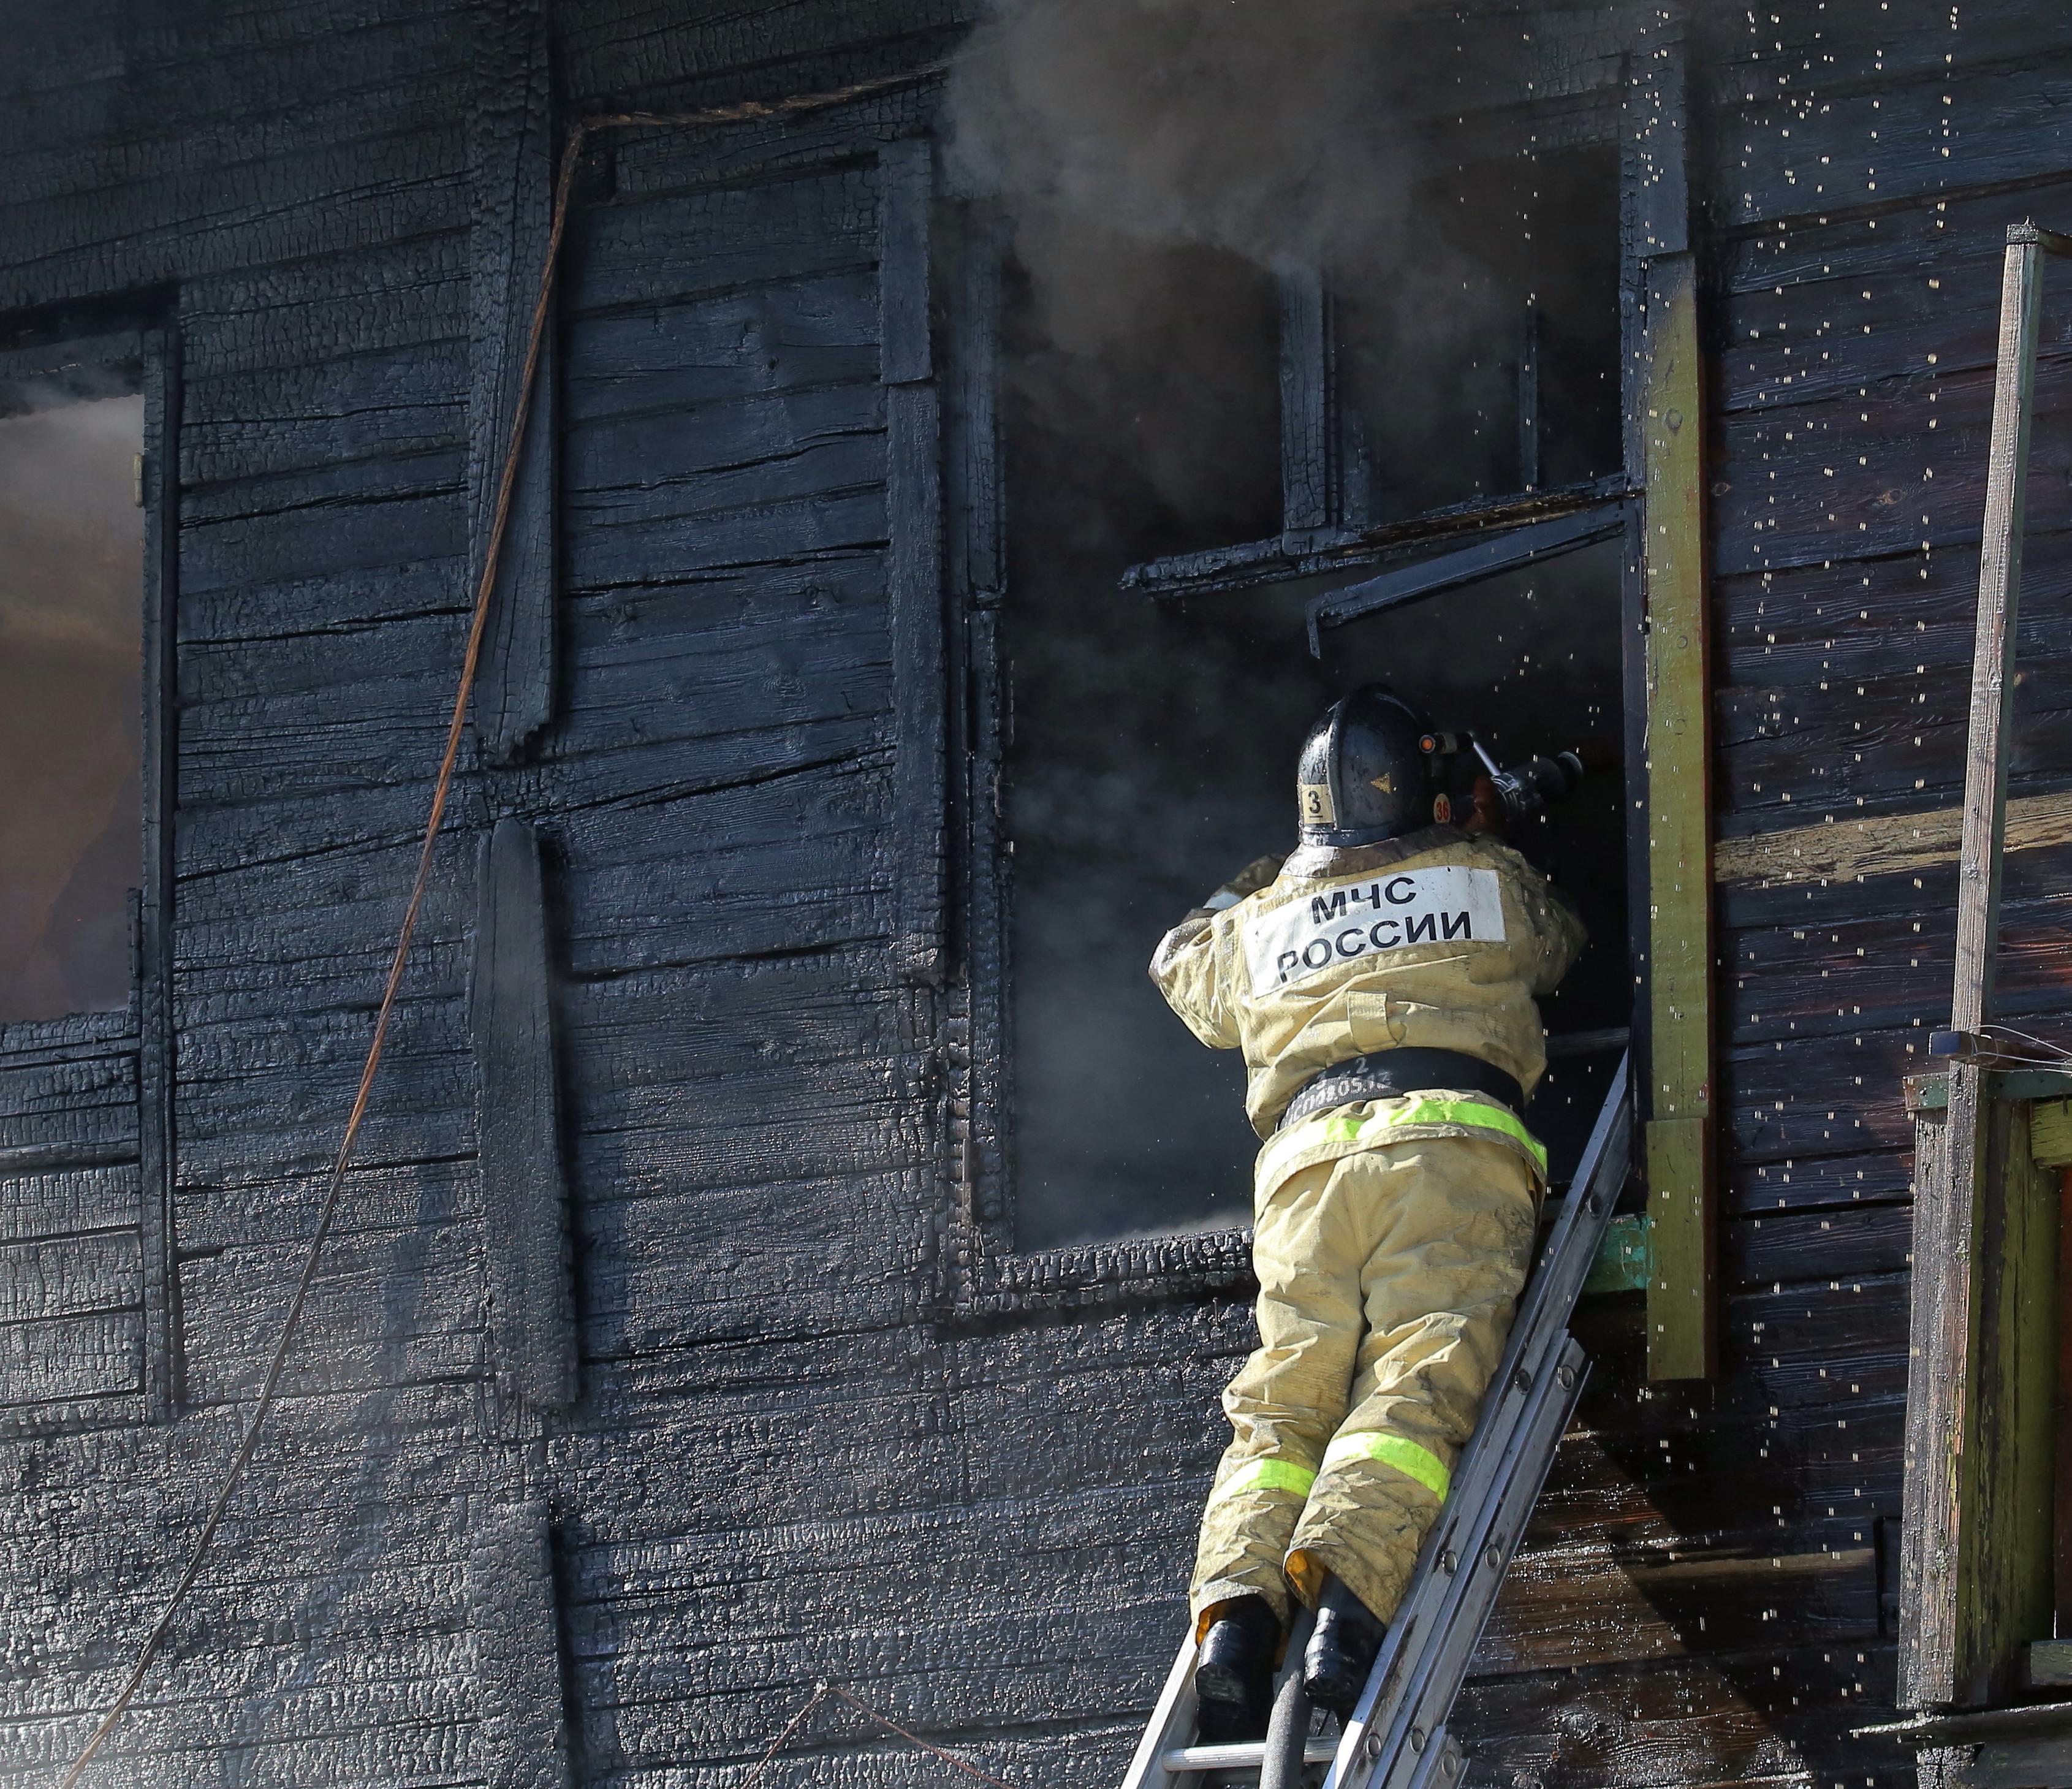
(1391, 1235)
(1438, 939)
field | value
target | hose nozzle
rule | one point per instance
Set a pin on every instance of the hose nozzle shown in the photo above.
(1533, 786)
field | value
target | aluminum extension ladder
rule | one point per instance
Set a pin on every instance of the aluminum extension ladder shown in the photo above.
(1397, 1737)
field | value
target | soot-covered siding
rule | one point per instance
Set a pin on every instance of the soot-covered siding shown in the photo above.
(782, 1469)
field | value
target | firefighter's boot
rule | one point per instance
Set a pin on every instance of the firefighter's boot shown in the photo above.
(1341, 1651)
(1234, 1671)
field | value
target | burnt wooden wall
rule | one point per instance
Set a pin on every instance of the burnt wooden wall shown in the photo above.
(590, 1467)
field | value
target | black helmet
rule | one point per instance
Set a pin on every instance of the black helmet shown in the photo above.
(1364, 773)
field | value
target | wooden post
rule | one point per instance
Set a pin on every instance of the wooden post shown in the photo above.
(1669, 699)
(157, 1039)
(1992, 662)
(1959, 1436)
(1975, 1564)
(1682, 1299)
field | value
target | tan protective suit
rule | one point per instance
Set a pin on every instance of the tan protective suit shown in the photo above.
(1391, 1237)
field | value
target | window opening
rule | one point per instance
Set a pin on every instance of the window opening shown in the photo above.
(1152, 743)
(1140, 417)
(71, 593)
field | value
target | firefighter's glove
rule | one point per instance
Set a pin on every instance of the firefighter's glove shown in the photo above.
(1488, 817)
(1254, 876)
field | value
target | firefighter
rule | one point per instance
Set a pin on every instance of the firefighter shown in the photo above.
(1380, 983)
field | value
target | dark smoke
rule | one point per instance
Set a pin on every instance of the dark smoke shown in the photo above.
(71, 627)
(1160, 162)
(1275, 131)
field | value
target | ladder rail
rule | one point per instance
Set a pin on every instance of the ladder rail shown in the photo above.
(1172, 1715)
(1427, 1699)
(1532, 1359)
(1407, 1698)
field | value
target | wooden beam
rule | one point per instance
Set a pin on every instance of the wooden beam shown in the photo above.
(525, 1196)
(1682, 1296)
(1882, 845)
(1508, 550)
(1260, 565)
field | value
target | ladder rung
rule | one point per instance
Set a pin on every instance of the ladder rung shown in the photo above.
(1185, 1760)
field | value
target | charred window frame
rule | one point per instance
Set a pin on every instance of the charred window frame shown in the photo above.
(1328, 525)
(86, 1099)
(979, 1271)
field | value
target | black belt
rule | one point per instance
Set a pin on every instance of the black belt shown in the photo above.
(1390, 1073)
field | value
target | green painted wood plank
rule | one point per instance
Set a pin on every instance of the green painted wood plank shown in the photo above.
(1683, 1196)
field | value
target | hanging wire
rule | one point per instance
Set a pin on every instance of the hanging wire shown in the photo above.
(821, 1692)
(2053, 1055)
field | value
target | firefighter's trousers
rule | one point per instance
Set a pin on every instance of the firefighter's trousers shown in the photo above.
(1387, 1279)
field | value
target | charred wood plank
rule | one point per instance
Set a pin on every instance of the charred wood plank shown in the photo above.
(678, 248)
(518, 1111)
(1751, 1716)
(157, 1055)
(913, 562)
(58, 1360)
(510, 180)
(517, 1624)
(2013, 131)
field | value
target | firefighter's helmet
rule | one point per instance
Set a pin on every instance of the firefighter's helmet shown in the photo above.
(1365, 772)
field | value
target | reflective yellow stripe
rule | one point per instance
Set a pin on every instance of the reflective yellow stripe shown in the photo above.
(1346, 1126)
(1481, 1114)
(1407, 1457)
(1268, 1473)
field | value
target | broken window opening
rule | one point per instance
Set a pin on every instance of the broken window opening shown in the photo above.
(72, 527)
(1457, 365)
(1152, 744)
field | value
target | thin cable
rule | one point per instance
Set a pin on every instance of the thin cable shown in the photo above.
(821, 1692)
(820, 1695)
(2058, 1052)
(749, 111)
(863, 1707)
(434, 819)
(456, 727)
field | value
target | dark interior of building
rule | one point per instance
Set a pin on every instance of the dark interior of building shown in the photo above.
(1153, 739)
